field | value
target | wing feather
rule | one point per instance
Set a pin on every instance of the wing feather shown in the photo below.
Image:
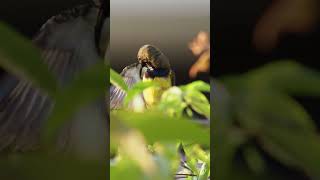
(131, 75)
(65, 45)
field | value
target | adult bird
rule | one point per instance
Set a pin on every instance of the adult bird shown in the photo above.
(152, 65)
(70, 43)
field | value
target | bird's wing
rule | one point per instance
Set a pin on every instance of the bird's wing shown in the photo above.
(131, 75)
(24, 108)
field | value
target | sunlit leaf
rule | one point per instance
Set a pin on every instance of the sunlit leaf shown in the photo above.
(198, 102)
(197, 85)
(117, 80)
(159, 127)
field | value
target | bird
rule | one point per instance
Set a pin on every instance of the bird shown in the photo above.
(152, 66)
(69, 42)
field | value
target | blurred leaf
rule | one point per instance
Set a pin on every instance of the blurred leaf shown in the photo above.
(38, 166)
(117, 80)
(261, 111)
(223, 156)
(157, 126)
(260, 103)
(286, 76)
(126, 170)
(86, 88)
(302, 148)
(196, 85)
(227, 140)
(254, 160)
(20, 57)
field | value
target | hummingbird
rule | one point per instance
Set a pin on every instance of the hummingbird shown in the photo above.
(153, 65)
(70, 42)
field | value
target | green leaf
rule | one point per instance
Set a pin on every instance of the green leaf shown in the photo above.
(198, 102)
(226, 144)
(19, 57)
(262, 106)
(39, 166)
(126, 170)
(158, 127)
(117, 80)
(254, 160)
(286, 76)
(265, 109)
(172, 102)
(197, 85)
(302, 149)
(227, 140)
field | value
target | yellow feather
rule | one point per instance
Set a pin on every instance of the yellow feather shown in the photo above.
(153, 95)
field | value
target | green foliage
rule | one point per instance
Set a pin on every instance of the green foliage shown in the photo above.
(19, 57)
(186, 97)
(155, 134)
(153, 124)
(259, 105)
(131, 132)
(117, 80)
(34, 166)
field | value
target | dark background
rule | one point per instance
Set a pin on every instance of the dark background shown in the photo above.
(28, 16)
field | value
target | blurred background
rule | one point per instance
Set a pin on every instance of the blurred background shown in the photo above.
(28, 16)
(249, 34)
(167, 24)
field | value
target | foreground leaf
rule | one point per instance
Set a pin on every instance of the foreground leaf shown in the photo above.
(19, 57)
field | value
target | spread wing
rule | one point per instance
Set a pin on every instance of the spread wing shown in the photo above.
(131, 75)
(23, 108)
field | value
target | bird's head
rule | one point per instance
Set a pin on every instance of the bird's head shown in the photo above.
(154, 62)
